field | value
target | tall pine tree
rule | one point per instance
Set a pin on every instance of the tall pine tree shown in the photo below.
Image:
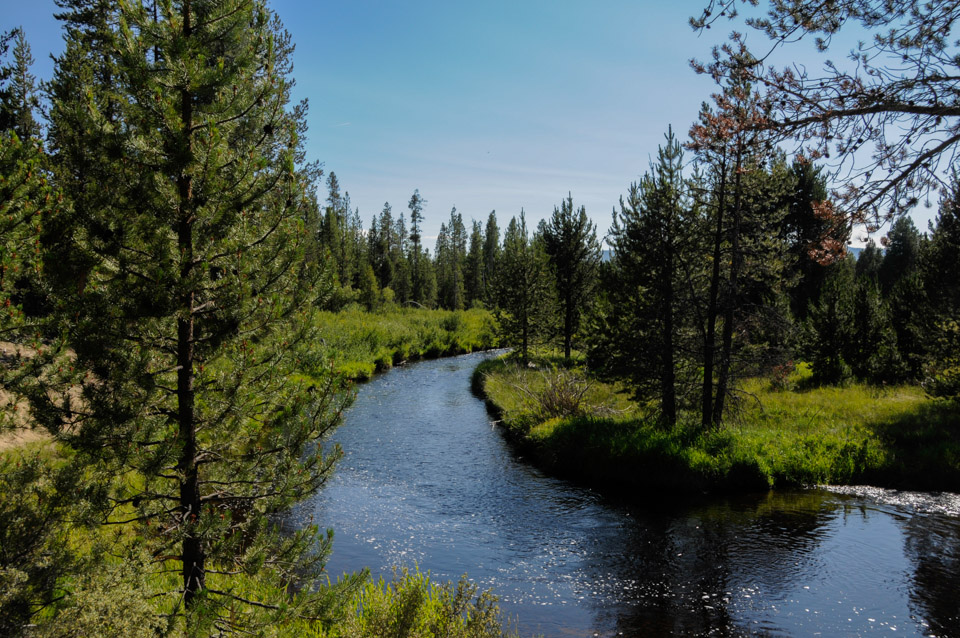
(570, 241)
(185, 290)
(523, 289)
(648, 239)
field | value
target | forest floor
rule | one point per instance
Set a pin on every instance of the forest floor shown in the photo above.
(791, 433)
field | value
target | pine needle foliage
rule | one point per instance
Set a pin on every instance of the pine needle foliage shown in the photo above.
(185, 279)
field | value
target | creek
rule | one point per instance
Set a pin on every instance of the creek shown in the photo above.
(427, 479)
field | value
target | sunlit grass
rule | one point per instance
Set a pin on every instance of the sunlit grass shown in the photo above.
(413, 605)
(362, 343)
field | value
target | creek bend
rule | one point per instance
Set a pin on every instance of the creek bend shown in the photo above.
(427, 479)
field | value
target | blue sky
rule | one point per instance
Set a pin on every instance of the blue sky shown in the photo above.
(496, 105)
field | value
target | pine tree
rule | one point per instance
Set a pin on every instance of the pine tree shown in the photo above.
(491, 253)
(358, 240)
(186, 297)
(648, 238)
(419, 263)
(6, 72)
(18, 91)
(940, 272)
(26, 198)
(901, 255)
(831, 322)
(335, 232)
(570, 241)
(402, 281)
(450, 255)
(523, 289)
(869, 262)
(941, 262)
(369, 289)
(473, 267)
(381, 241)
(871, 349)
(913, 318)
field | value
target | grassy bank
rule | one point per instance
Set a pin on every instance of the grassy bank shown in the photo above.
(799, 435)
(362, 343)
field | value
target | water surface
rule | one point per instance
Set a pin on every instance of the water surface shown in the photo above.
(427, 479)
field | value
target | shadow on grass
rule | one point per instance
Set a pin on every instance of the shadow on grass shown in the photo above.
(923, 447)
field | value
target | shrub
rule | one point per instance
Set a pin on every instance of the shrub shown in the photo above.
(411, 606)
(780, 376)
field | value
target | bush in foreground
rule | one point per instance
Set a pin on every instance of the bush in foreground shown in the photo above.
(411, 606)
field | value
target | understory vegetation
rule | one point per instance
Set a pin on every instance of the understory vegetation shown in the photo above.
(780, 433)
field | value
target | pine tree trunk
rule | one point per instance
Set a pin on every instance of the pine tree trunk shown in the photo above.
(193, 556)
(668, 396)
(723, 377)
(709, 346)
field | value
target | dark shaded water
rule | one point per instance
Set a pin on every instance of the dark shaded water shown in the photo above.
(427, 479)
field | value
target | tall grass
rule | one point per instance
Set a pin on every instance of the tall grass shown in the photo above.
(362, 343)
(776, 435)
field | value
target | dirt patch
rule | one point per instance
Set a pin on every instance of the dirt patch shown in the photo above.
(19, 438)
(16, 426)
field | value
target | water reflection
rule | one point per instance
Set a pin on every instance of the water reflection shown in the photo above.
(691, 570)
(933, 547)
(426, 479)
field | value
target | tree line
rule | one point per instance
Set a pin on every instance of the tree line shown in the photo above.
(734, 264)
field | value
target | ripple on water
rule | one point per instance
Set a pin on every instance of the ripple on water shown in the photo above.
(946, 503)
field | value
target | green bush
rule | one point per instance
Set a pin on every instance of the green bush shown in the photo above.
(411, 606)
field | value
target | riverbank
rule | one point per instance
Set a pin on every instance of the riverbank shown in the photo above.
(792, 436)
(362, 343)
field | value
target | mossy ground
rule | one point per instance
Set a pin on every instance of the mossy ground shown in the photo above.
(773, 437)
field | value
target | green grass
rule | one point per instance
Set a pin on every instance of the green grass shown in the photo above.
(803, 435)
(363, 343)
(412, 605)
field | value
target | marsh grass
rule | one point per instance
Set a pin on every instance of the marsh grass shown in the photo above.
(362, 343)
(786, 433)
